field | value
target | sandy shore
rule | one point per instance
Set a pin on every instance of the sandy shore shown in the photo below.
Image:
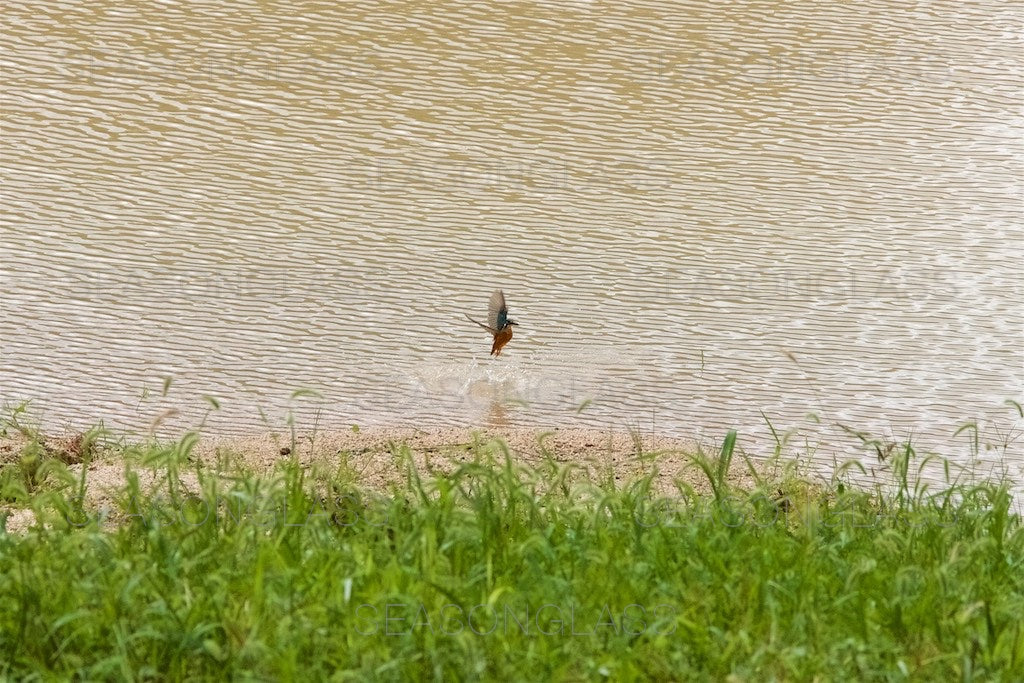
(373, 456)
(370, 452)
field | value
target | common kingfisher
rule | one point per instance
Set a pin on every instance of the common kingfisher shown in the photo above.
(498, 322)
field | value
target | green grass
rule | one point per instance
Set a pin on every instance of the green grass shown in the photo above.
(499, 571)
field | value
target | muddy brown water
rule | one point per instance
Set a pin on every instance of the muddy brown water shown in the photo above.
(701, 214)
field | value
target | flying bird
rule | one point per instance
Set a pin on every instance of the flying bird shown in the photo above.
(498, 322)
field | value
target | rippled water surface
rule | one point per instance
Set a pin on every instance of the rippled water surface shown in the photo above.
(699, 212)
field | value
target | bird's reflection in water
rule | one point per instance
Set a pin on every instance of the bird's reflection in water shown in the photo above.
(497, 414)
(493, 402)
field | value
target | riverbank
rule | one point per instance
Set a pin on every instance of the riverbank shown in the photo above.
(369, 457)
(451, 554)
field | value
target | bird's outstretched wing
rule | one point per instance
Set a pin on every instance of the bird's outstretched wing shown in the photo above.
(497, 311)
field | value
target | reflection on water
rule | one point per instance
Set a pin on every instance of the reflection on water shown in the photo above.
(702, 215)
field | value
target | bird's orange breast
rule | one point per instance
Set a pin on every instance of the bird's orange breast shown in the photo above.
(503, 337)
